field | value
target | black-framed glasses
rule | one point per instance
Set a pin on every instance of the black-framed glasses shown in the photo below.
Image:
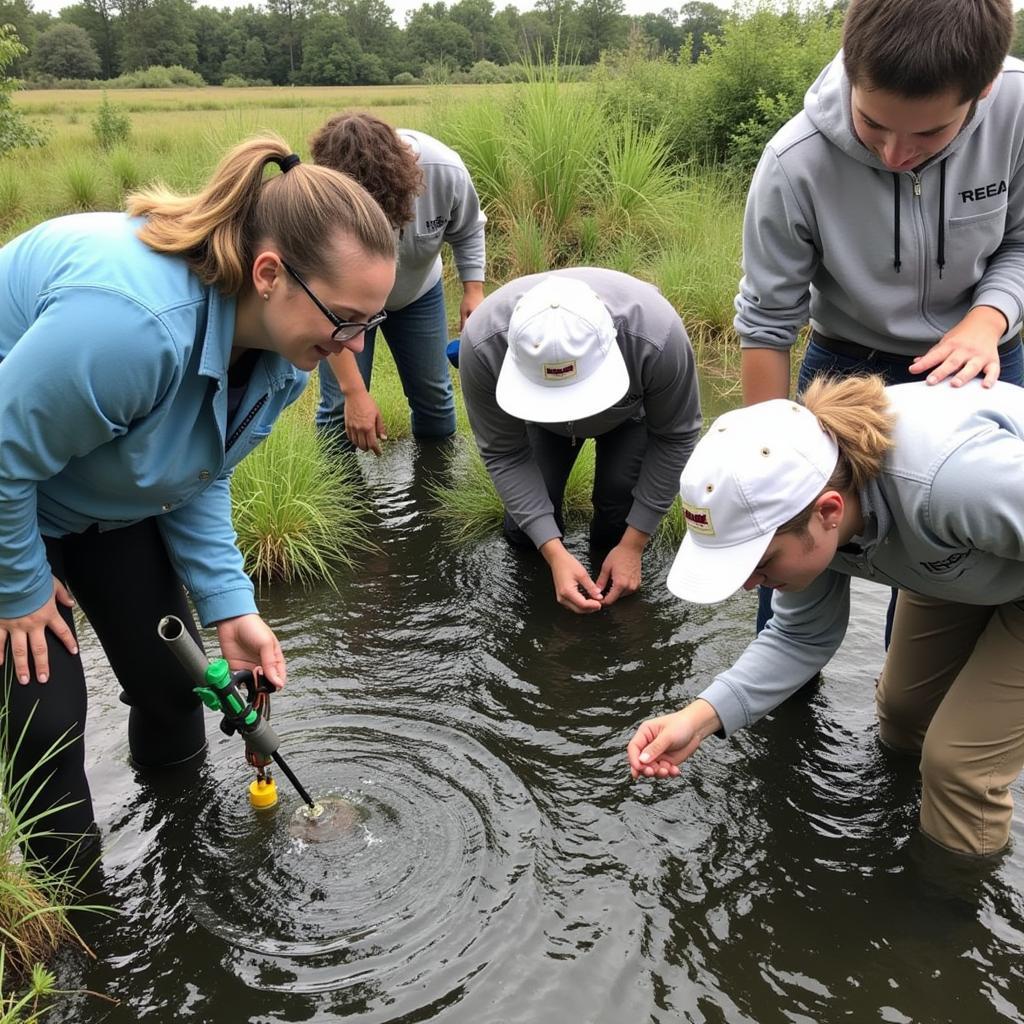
(344, 330)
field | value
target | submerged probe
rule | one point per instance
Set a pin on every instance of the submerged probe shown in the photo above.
(218, 688)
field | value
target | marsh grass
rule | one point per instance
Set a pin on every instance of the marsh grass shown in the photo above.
(126, 170)
(81, 185)
(469, 506)
(35, 902)
(298, 508)
(12, 194)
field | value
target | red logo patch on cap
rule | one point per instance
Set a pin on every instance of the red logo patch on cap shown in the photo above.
(698, 519)
(559, 371)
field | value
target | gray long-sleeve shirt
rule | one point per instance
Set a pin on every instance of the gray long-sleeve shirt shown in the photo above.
(662, 389)
(447, 211)
(945, 518)
(826, 225)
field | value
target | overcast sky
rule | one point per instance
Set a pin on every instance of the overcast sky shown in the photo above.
(401, 7)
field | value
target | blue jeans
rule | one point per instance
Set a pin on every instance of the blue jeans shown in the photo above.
(417, 336)
(895, 370)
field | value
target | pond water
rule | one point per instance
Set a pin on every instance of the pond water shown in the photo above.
(493, 862)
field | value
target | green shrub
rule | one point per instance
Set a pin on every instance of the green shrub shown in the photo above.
(716, 110)
(405, 78)
(158, 76)
(111, 126)
(15, 131)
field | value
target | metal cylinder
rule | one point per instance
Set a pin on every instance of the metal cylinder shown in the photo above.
(173, 632)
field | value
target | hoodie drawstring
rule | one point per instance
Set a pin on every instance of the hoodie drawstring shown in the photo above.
(896, 262)
(942, 216)
(896, 223)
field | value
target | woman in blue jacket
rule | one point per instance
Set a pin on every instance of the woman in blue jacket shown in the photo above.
(142, 355)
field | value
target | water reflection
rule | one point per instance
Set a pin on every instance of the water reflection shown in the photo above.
(503, 867)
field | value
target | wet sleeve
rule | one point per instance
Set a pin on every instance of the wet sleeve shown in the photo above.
(673, 416)
(503, 443)
(803, 634)
(779, 261)
(87, 367)
(465, 230)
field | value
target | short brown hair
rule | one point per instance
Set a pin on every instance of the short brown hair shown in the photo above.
(372, 152)
(216, 230)
(918, 48)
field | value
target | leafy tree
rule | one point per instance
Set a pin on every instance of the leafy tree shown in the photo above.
(15, 131)
(287, 23)
(700, 20)
(477, 17)
(157, 32)
(18, 14)
(662, 30)
(97, 18)
(66, 51)
(434, 38)
(212, 29)
(1018, 35)
(330, 56)
(601, 25)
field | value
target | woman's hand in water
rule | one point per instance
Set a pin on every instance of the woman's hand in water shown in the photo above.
(27, 634)
(248, 642)
(662, 744)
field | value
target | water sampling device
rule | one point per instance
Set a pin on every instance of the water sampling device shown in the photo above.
(248, 715)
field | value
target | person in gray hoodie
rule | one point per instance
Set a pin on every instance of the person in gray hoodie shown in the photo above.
(857, 481)
(889, 213)
(550, 359)
(428, 195)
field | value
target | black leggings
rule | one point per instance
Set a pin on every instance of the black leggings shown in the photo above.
(124, 583)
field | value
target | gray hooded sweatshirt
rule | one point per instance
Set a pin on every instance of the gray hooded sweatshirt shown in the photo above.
(447, 211)
(945, 518)
(662, 391)
(890, 261)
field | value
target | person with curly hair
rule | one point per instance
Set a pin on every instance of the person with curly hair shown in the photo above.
(427, 194)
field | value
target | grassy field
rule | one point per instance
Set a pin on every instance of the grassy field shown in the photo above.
(563, 182)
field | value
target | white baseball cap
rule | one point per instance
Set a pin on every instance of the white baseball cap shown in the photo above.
(755, 469)
(563, 360)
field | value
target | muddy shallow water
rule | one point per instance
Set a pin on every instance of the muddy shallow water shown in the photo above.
(494, 862)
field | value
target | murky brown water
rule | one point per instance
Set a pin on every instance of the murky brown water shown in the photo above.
(495, 863)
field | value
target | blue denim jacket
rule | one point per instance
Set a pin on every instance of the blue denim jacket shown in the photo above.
(113, 407)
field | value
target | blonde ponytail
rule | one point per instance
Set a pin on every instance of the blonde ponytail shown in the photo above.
(854, 411)
(301, 211)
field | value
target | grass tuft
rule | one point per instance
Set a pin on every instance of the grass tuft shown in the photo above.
(298, 508)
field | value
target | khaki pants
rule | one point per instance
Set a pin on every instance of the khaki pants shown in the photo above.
(952, 691)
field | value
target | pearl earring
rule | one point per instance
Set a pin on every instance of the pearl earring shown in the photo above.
(266, 295)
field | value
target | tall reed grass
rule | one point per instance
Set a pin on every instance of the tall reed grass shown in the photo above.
(298, 507)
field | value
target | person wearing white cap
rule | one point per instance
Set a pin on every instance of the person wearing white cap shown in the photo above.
(550, 359)
(859, 481)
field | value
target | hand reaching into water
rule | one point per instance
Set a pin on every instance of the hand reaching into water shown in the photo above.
(574, 589)
(248, 642)
(620, 572)
(660, 745)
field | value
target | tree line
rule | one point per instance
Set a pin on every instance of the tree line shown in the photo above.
(336, 42)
